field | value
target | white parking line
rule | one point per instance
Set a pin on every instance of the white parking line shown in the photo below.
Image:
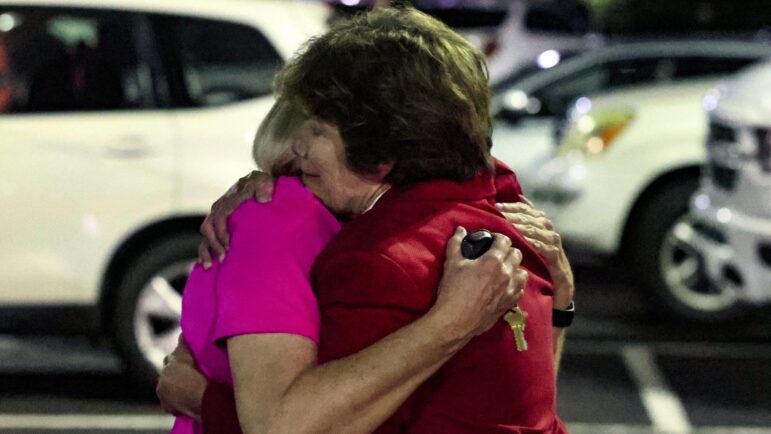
(591, 428)
(686, 350)
(135, 422)
(86, 421)
(662, 405)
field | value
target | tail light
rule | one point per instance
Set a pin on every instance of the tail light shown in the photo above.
(490, 47)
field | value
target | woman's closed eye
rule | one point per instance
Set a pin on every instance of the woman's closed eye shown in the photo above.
(316, 130)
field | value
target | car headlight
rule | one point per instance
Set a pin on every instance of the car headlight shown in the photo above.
(593, 133)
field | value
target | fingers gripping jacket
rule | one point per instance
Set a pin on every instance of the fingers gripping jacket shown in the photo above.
(476, 244)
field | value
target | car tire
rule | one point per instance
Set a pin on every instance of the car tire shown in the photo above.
(148, 305)
(668, 267)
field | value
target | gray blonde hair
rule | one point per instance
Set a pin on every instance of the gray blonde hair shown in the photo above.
(272, 148)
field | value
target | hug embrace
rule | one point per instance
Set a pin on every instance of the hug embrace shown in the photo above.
(340, 300)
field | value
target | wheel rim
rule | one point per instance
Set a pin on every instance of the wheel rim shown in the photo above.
(682, 268)
(158, 309)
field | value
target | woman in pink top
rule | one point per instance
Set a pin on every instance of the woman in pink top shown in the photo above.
(254, 315)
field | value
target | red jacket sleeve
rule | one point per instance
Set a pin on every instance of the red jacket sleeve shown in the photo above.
(218, 410)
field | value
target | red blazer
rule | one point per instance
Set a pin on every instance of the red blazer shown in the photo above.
(381, 273)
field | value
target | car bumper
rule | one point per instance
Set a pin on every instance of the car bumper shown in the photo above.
(736, 247)
(578, 197)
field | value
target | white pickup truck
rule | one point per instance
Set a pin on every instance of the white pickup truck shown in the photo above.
(732, 208)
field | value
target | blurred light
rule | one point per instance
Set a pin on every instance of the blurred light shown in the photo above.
(586, 124)
(548, 59)
(595, 145)
(577, 172)
(91, 225)
(684, 232)
(583, 105)
(7, 22)
(724, 215)
(350, 2)
(533, 106)
(710, 102)
(516, 99)
(702, 201)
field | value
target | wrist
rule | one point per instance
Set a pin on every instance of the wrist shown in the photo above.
(443, 330)
(562, 298)
(562, 318)
(562, 304)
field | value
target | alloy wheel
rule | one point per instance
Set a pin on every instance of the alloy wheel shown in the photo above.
(158, 310)
(682, 269)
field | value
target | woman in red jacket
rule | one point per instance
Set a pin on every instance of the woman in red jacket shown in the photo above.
(398, 138)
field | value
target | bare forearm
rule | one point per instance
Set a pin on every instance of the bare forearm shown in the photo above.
(357, 393)
(559, 342)
(562, 300)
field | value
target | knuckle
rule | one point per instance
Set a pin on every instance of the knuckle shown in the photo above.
(503, 239)
(517, 256)
(500, 263)
(488, 261)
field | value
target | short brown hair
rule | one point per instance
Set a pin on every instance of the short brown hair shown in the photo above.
(403, 88)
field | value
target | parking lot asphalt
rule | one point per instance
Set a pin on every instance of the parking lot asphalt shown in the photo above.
(622, 372)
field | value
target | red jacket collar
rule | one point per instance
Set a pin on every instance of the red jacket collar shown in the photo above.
(502, 186)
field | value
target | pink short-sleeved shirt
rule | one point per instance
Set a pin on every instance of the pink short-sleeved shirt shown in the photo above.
(262, 286)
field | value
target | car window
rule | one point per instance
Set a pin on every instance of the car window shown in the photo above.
(557, 17)
(221, 62)
(697, 66)
(630, 72)
(61, 60)
(604, 77)
(555, 97)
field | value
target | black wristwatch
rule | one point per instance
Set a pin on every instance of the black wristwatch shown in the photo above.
(563, 318)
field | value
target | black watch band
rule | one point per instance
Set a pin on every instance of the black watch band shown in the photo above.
(563, 318)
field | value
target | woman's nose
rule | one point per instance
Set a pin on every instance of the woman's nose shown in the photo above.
(299, 148)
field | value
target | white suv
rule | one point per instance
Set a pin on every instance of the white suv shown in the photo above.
(120, 122)
(620, 183)
(528, 105)
(732, 209)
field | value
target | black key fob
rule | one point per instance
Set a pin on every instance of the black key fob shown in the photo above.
(476, 244)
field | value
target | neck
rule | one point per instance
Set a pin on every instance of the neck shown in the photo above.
(364, 202)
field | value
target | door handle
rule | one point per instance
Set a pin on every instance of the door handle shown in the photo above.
(129, 147)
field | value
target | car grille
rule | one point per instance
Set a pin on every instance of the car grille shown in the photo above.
(764, 251)
(721, 139)
(763, 137)
(721, 133)
(723, 177)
